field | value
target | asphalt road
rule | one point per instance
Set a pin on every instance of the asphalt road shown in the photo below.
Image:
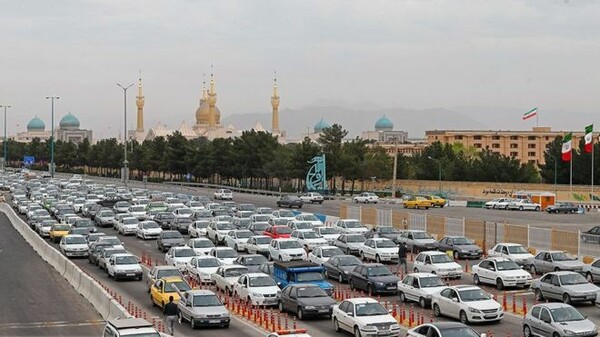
(36, 300)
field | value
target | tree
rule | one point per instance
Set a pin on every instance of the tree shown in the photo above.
(331, 143)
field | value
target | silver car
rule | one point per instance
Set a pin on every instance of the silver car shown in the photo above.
(349, 243)
(203, 308)
(567, 286)
(553, 260)
(557, 319)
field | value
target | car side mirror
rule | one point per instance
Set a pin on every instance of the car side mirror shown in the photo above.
(483, 335)
(350, 314)
(454, 299)
(547, 321)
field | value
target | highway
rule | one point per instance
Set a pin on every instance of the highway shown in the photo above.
(37, 301)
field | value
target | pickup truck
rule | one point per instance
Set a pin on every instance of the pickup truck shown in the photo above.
(294, 272)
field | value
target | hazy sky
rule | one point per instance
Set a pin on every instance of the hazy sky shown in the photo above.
(413, 54)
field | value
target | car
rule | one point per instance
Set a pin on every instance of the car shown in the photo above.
(96, 250)
(312, 197)
(122, 327)
(497, 203)
(158, 272)
(374, 278)
(300, 225)
(417, 203)
(58, 231)
(105, 255)
(349, 243)
(243, 223)
(226, 276)
(202, 246)
(203, 308)
(258, 244)
(92, 237)
(557, 320)
(256, 217)
(366, 197)
(553, 260)
(460, 246)
(278, 232)
(286, 250)
(284, 214)
(290, 201)
(223, 194)
(120, 206)
(225, 254)
(237, 239)
(251, 261)
(217, 230)
(258, 228)
(258, 289)
(436, 200)
(513, 251)
(308, 239)
(469, 304)
(437, 263)
(328, 233)
(387, 232)
(320, 255)
(562, 207)
(127, 225)
(364, 316)
(419, 287)
(202, 268)
(501, 272)
(198, 228)
(567, 286)
(524, 205)
(444, 329)
(350, 226)
(159, 206)
(592, 271)
(179, 256)
(378, 250)
(86, 224)
(417, 241)
(137, 211)
(164, 219)
(45, 227)
(306, 300)
(181, 224)
(124, 265)
(308, 217)
(148, 230)
(168, 239)
(183, 212)
(592, 235)
(264, 210)
(111, 240)
(73, 245)
(267, 268)
(80, 231)
(165, 287)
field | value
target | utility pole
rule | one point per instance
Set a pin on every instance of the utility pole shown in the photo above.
(125, 174)
(52, 98)
(439, 172)
(5, 162)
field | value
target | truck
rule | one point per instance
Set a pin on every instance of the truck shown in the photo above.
(294, 272)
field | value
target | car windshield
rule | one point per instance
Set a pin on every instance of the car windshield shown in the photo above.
(355, 238)
(289, 244)
(566, 314)
(562, 257)
(167, 273)
(225, 226)
(517, 250)
(243, 234)
(151, 225)
(311, 292)
(172, 287)
(462, 241)
(421, 236)
(184, 253)
(348, 260)
(572, 279)
(507, 265)
(370, 309)
(255, 260)
(226, 253)
(84, 223)
(378, 271)
(460, 332)
(126, 260)
(201, 224)
(107, 214)
(284, 230)
(263, 241)
(203, 244)
(61, 227)
(130, 221)
(309, 277)
(75, 240)
(286, 214)
(111, 252)
(208, 263)
(329, 252)
(206, 301)
(473, 295)
(138, 208)
(303, 225)
(261, 218)
(311, 235)
(184, 211)
(388, 230)
(259, 226)
(430, 282)
(386, 244)
(353, 224)
(235, 272)
(172, 235)
(262, 281)
(440, 258)
(327, 230)
(111, 241)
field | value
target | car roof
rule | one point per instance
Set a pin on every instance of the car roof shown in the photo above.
(232, 266)
(201, 292)
(165, 267)
(222, 248)
(257, 275)
(172, 278)
(496, 258)
(564, 272)
(464, 287)
(74, 236)
(123, 254)
(128, 323)
(362, 300)
(372, 264)
(422, 275)
(443, 325)
(509, 244)
(553, 305)
(432, 252)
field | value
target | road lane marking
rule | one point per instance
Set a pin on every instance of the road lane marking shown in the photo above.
(54, 324)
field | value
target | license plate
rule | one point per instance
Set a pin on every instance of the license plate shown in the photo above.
(492, 316)
(214, 321)
(130, 274)
(324, 310)
(390, 288)
(591, 297)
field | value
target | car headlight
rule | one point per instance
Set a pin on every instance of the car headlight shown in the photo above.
(474, 310)
(380, 283)
(346, 272)
(225, 314)
(309, 307)
(394, 326)
(257, 295)
(569, 332)
(428, 296)
(201, 316)
(369, 328)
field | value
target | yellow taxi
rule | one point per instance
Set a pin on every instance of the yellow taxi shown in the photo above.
(58, 231)
(165, 287)
(417, 203)
(436, 200)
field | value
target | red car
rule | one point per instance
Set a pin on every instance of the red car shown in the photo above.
(278, 232)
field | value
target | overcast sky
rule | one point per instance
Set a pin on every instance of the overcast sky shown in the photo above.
(412, 54)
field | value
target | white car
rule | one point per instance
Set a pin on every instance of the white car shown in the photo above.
(238, 239)
(284, 214)
(437, 263)
(417, 241)
(217, 230)
(286, 250)
(366, 197)
(364, 316)
(298, 225)
(514, 251)
(124, 266)
(350, 226)
(225, 254)
(500, 272)
(469, 304)
(138, 211)
(378, 249)
(182, 212)
(127, 225)
(73, 245)
(260, 217)
(328, 233)
(258, 244)
(223, 194)
(312, 197)
(179, 256)
(198, 228)
(77, 205)
(524, 205)
(202, 268)
(195, 206)
(202, 246)
(310, 218)
(308, 239)
(420, 287)
(148, 230)
(592, 272)
(498, 203)
(226, 276)
(257, 288)
(322, 254)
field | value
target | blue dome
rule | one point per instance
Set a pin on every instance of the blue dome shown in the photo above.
(384, 124)
(69, 122)
(322, 124)
(36, 124)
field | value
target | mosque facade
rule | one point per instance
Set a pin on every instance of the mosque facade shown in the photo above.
(68, 130)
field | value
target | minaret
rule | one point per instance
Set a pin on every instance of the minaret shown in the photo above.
(275, 105)
(140, 107)
(204, 96)
(212, 102)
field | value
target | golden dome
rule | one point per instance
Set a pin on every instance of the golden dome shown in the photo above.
(203, 111)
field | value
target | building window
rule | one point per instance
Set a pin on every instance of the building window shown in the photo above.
(547, 137)
(458, 137)
(531, 138)
(531, 146)
(514, 154)
(531, 154)
(495, 137)
(514, 137)
(495, 146)
(477, 137)
(514, 146)
(532, 161)
(478, 146)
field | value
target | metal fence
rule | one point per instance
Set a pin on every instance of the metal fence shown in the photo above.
(353, 212)
(417, 221)
(539, 238)
(384, 217)
(454, 226)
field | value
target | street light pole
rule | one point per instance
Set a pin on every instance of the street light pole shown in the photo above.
(125, 170)
(5, 139)
(52, 98)
(439, 172)
(555, 172)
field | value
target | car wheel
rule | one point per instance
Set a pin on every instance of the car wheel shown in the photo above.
(280, 258)
(436, 310)
(537, 208)
(300, 314)
(370, 290)
(356, 332)
(532, 270)
(192, 322)
(476, 280)
(589, 277)
(422, 302)
(362, 256)
(402, 297)
(281, 307)
(566, 298)
(351, 284)
(520, 208)
(340, 278)
(463, 317)
(377, 258)
(236, 248)
(416, 270)
(499, 284)
(538, 295)
(506, 207)
(336, 325)
(526, 331)
(348, 251)
(455, 254)
(270, 257)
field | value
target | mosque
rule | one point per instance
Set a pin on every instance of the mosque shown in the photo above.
(68, 130)
(384, 132)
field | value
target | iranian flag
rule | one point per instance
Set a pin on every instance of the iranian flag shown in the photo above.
(567, 148)
(589, 138)
(530, 114)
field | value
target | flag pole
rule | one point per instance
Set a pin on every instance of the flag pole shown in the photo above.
(571, 177)
(592, 195)
(537, 124)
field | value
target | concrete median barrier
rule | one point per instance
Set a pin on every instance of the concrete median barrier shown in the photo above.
(73, 274)
(100, 300)
(86, 284)
(116, 310)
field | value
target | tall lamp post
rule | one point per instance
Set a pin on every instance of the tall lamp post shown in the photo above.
(125, 162)
(52, 98)
(4, 163)
(439, 172)
(555, 171)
